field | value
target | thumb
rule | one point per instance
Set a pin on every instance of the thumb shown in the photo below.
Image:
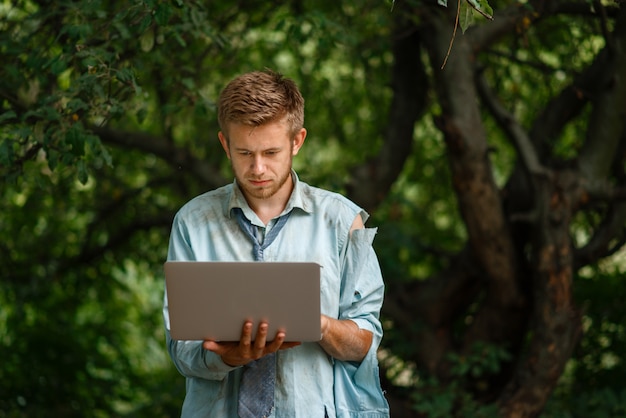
(213, 346)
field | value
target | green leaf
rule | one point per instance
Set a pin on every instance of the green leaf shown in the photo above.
(7, 115)
(124, 75)
(180, 40)
(146, 40)
(58, 65)
(162, 14)
(74, 138)
(482, 7)
(466, 16)
(83, 173)
(141, 115)
(145, 23)
(116, 109)
(6, 152)
(486, 7)
(53, 158)
(79, 31)
(76, 104)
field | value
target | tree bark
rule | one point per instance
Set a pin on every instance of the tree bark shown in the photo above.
(501, 316)
(556, 325)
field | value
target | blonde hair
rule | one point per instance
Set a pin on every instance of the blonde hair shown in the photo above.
(261, 97)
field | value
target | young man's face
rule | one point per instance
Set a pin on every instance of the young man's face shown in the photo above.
(261, 158)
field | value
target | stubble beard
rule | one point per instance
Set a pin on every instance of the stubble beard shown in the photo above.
(264, 192)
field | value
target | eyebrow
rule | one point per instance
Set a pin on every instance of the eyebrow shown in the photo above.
(263, 150)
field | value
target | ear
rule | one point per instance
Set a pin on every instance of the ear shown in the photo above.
(224, 143)
(298, 141)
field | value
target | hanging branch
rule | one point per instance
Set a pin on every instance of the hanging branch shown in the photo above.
(513, 129)
(466, 18)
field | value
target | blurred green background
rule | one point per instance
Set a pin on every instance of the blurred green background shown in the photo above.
(108, 125)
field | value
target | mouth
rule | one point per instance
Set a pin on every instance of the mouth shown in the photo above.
(260, 183)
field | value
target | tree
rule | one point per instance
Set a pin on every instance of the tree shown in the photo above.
(515, 275)
(498, 183)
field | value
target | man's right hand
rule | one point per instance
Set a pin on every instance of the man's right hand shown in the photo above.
(246, 350)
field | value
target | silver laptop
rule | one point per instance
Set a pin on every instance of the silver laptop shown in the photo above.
(212, 300)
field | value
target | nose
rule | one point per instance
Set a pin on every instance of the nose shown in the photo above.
(258, 164)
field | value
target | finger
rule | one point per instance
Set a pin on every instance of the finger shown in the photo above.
(218, 348)
(210, 345)
(246, 335)
(261, 337)
(277, 342)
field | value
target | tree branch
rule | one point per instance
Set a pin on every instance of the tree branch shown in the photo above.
(607, 239)
(564, 107)
(116, 240)
(606, 123)
(178, 158)
(504, 22)
(371, 181)
(472, 175)
(513, 130)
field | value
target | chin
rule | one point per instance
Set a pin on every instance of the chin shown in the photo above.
(264, 193)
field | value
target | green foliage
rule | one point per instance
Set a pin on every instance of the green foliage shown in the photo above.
(599, 403)
(482, 360)
(470, 8)
(436, 399)
(450, 401)
(600, 360)
(467, 9)
(407, 248)
(77, 331)
(73, 66)
(46, 115)
(593, 383)
(542, 55)
(80, 325)
(91, 351)
(85, 224)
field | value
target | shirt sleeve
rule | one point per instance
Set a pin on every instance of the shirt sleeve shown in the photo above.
(189, 357)
(362, 289)
(357, 384)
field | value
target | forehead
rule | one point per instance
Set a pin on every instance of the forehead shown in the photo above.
(270, 134)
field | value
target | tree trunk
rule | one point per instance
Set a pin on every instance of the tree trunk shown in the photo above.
(556, 325)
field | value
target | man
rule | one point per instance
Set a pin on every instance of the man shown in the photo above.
(261, 116)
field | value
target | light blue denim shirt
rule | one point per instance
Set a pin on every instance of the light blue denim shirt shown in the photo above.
(309, 382)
